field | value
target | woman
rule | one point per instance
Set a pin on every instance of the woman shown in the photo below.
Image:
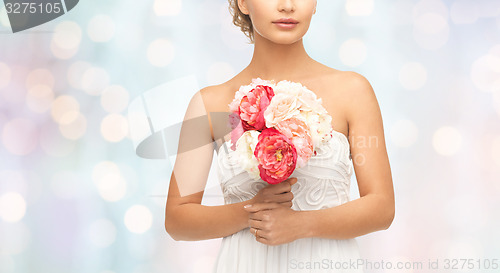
(306, 223)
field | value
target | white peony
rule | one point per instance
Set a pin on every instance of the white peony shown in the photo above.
(282, 107)
(288, 87)
(292, 99)
(320, 125)
(308, 101)
(245, 147)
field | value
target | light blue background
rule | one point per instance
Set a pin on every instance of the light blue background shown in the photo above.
(434, 66)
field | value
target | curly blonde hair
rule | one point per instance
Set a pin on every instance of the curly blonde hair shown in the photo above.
(241, 20)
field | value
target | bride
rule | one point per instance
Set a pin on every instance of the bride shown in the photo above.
(274, 228)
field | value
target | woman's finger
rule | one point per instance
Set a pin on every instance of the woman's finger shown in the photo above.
(286, 196)
(258, 216)
(255, 224)
(282, 187)
(279, 198)
(260, 206)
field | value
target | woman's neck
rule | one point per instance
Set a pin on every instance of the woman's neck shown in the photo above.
(278, 61)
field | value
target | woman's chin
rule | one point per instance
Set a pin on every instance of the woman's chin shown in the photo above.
(285, 39)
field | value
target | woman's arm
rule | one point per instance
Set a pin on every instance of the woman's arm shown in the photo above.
(192, 221)
(185, 217)
(352, 219)
(375, 208)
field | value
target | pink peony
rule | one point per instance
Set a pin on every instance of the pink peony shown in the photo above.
(276, 155)
(243, 91)
(252, 107)
(298, 131)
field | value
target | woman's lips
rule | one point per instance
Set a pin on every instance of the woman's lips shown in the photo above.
(285, 25)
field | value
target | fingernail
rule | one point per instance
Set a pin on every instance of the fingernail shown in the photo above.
(247, 206)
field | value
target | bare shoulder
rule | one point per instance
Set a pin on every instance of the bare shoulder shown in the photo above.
(215, 97)
(354, 91)
(341, 84)
(212, 89)
(209, 94)
(350, 83)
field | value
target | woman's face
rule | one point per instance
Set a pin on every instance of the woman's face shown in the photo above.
(265, 15)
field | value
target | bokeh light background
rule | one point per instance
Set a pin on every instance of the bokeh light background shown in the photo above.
(74, 196)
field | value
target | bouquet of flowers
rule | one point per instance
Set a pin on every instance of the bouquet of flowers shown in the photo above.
(277, 127)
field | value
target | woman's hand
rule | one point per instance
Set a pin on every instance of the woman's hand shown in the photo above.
(276, 193)
(274, 224)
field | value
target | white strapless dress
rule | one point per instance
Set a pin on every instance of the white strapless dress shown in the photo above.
(323, 183)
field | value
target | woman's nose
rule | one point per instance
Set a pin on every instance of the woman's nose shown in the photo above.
(286, 5)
